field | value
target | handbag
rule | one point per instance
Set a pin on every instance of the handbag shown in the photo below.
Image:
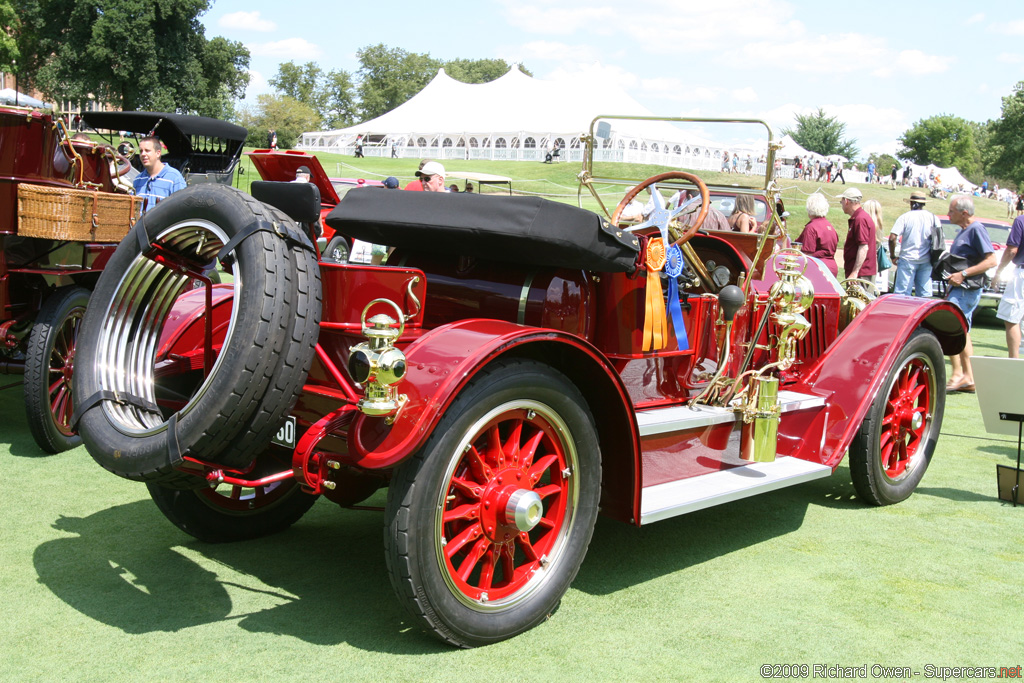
(884, 262)
(949, 264)
(938, 243)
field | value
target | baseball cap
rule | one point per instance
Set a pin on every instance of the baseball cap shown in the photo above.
(852, 194)
(431, 168)
(391, 182)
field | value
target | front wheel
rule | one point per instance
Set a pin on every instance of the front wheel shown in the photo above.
(488, 524)
(892, 449)
(49, 366)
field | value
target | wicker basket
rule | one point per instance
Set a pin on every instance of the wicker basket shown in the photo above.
(63, 213)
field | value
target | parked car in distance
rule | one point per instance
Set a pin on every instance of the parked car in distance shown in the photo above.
(282, 165)
(998, 232)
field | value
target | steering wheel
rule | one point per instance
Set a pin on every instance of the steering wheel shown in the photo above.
(124, 164)
(661, 216)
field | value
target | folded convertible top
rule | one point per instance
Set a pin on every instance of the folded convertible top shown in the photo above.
(524, 230)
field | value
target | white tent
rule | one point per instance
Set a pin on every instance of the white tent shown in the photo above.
(949, 179)
(791, 149)
(11, 96)
(517, 117)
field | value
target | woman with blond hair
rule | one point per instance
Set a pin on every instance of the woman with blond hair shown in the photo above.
(819, 238)
(742, 218)
(874, 209)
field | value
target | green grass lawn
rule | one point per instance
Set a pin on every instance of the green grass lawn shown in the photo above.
(98, 586)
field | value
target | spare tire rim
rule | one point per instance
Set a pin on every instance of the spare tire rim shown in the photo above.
(135, 317)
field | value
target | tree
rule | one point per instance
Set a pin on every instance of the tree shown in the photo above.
(883, 162)
(389, 77)
(1007, 139)
(8, 45)
(285, 115)
(822, 134)
(331, 94)
(150, 54)
(479, 70)
(943, 140)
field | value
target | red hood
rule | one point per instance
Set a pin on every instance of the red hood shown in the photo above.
(281, 165)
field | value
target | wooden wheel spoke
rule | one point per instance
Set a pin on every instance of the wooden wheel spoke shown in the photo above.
(530, 448)
(476, 553)
(542, 465)
(456, 544)
(467, 512)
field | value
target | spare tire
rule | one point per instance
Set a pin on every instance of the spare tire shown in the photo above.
(229, 416)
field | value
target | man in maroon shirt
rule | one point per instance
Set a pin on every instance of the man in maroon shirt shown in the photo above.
(859, 258)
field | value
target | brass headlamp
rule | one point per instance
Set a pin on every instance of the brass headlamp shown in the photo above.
(377, 364)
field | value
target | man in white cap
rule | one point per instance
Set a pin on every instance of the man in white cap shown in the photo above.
(860, 238)
(913, 231)
(432, 177)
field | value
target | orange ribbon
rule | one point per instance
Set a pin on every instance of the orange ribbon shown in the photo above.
(655, 323)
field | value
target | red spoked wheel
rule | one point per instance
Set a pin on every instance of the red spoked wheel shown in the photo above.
(507, 509)
(892, 449)
(49, 369)
(907, 410)
(489, 522)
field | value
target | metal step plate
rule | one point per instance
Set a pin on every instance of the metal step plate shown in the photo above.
(696, 493)
(681, 418)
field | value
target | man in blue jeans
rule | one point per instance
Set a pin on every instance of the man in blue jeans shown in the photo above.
(913, 231)
(973, 244)
(159, 180)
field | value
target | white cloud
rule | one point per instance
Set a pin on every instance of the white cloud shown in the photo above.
(917, 63)
(595, 73)
(976, 18)
(556, 52)
(1010, 58)
(747, 94)
(246, 21)
(561, 19)
(1010, 28)
(298, 49)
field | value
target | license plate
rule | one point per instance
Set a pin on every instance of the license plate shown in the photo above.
(286, 435)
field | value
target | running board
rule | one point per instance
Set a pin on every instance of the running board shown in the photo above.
(707, 490)
(681, 418)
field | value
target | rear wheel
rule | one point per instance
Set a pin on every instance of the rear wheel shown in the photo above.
(49, 366)
(488, 524)
(892, 449)
(233, 513)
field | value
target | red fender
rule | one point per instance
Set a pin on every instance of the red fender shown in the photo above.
(183, 332)
(851, 372)
(441, 363)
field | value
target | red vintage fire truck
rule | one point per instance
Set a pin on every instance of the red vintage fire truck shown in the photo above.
(516, 367)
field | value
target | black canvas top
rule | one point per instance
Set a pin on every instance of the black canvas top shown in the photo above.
(524, 230)
(183, 134)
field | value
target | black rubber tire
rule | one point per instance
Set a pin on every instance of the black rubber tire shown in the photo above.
(338, 250)
(508, 392)
(232, 415)
(49, 359)
(214, 517)
(919, 369)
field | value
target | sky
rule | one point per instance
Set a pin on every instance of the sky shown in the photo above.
(879, 67)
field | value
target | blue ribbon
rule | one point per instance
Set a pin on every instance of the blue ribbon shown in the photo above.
(673, 269)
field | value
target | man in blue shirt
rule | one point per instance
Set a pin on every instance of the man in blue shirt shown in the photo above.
(972, 244)
(159, 180)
